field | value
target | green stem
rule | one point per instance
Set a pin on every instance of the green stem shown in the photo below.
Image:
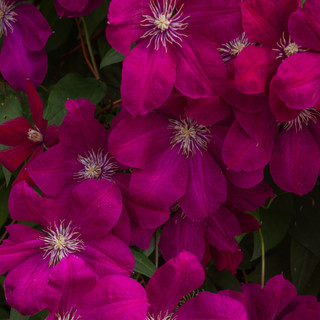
(86, 34)
(263, 259)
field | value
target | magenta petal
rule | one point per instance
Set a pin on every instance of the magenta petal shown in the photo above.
(297, 81)
(36, 107)
(80, 130)
(22, 243)
(244, 179)
(201, 72)
(17, 63)
(176, 278)
(34, 27)
(73, 5)
(26, 286)
(163, 181)
(13, 157)
(124, 23)
(122, 228)
(207, 305)
(135, 141)
(262, 22)
(150, 72)
(100, 199)
(206, 188)
(295, 161)
(254, 67)
(304, 25)
(108, 255)
(181, 233)
(115, 298)
(14, 132)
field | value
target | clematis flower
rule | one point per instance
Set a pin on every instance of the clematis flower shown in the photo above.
(171, 160)
(176, 46)
(75, 8)
(23, 55)
(82, 153)
(112, 297)
(276, 300)
(77, 228)
(25, 139)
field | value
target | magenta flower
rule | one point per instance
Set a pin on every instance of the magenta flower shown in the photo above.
(25, 139)
(112, 297)
(172, 161)
(82, 153)
(75, 8)
(23, 55)
(175, 47)
(77, 228)
(277, 300)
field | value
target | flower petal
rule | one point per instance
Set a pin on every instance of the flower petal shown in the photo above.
(15, 131)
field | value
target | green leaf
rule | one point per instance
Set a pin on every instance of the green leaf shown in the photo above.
(303, 263)
(111, 57)
(4, 211)
(143, 264)
(10, 108)
(40, 315)
(72, 86)
(275, 224)
(15, 315)
(7, 175)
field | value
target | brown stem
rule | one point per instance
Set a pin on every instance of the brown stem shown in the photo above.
(6, 232)
(110, 105)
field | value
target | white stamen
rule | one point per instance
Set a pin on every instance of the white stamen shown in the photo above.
(232, 49)
(7, 17)
(70, 315)
(35, 135)
(303, 118)
(96, 165)
(60, 241)
(287, 48)
(190, 135)
(165, 25)
(161, 316)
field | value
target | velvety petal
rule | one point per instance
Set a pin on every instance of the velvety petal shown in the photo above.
(15, 131)
(254, 68)
(150, 72)
(176, 278)
(80, 130)
(23, 242)
(243, 179)
(174, 106)
(13, 157)
(141, 238)
(207, 305)
(26, 286)
(53, 170)
(124, 23)
(33, 26)
(108, 255)
(295, 164)
(262, 22)
(297, 81)
(206, 187)
(227, 259)
(73, 5)
(274, 297)
(62, 12)
(36, 107)
(218, 20)
(241, 152)
(306, 312)
(17, 63)
(304, 25)
(122, 228)
(181, 233)
(52, 136)
(201, 72)
(207, 111)
(115, 298)
(96, 207)
(163, 181)
(135, 141)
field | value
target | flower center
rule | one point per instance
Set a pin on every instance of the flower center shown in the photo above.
(60, 241)
(71, 315)
(232, 49)
(7, 17)
(190, 135)
(161, 316)
(35, 135)
(303, 118)
(287, 48)
(96, 165)
(164, 24)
